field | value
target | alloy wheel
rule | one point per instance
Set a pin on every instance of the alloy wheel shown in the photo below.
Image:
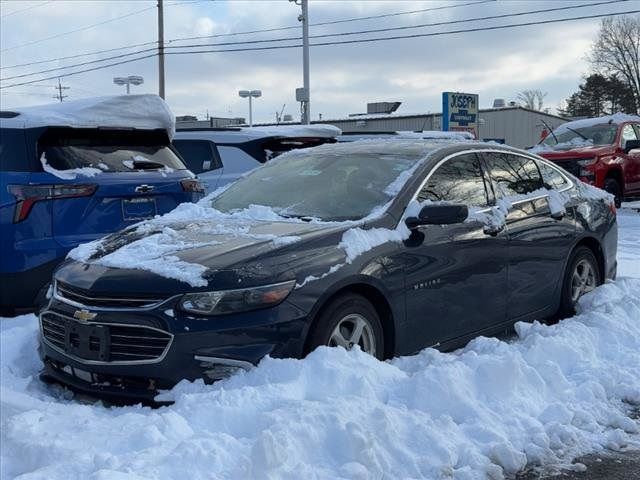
(583, 280)
(352, 330)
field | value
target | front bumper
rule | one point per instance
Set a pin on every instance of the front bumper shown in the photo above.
(81, 354)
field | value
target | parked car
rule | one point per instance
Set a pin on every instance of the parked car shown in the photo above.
(392, 246)
(222, 155)
(66, 179)
(603, 151)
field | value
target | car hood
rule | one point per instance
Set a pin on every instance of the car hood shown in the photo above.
(179, 255)
(580, 152)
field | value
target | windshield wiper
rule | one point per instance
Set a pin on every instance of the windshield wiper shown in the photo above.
(550, 131)
(576, 132)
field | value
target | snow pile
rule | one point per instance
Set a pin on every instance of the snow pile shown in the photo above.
(485, 411)
(138, 111)
(71, 173)
(629, 240)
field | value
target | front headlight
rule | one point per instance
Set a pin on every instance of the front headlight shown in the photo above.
(233, 301)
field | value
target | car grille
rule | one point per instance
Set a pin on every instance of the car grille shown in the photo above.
(82, 297)
(104, 342)
(570, 166)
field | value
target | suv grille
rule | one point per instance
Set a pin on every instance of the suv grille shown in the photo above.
(82, 297)
(570, 166)
(104, 342)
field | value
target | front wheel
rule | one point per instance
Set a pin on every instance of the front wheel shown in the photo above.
(582, 276)
(612, 186)
(347, 321)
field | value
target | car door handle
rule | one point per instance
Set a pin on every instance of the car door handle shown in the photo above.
(493, 230)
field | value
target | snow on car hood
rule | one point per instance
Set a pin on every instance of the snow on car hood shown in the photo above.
(135, 111)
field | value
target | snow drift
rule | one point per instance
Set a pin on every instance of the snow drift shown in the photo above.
(485, 411)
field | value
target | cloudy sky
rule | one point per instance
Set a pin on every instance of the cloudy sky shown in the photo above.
(495, 63)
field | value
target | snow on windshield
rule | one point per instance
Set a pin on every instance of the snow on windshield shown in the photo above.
(72, 173)
(136, 111)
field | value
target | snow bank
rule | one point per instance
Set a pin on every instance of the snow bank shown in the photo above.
(138, 111)
(485, 411)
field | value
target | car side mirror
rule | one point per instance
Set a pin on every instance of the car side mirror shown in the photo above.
(438, 215)
(631, 145)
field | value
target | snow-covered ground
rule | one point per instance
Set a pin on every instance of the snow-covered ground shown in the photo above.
(545, 396)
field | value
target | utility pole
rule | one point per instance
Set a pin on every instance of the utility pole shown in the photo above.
(303, 95)
(160, 50)
(306, 104)
(60, 88)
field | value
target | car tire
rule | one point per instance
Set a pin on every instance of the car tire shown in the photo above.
(347, 320)
(612, 186)
(582, 276)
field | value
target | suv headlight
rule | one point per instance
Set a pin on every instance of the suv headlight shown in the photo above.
(234, 301)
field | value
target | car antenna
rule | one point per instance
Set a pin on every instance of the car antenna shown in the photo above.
(550, 131)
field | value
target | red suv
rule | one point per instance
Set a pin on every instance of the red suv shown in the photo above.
(603, 151)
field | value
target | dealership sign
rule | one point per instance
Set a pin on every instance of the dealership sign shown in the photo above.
(460, 112)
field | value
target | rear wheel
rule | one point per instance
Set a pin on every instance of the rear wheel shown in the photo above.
(612, 186)
(582, 276)
(347, 321)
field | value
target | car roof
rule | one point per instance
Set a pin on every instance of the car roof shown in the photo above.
(245, 134)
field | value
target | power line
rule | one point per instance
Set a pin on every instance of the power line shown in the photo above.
(339, 34)
(25, 9)
(87, 27)
(219, 35)
(333, 22)
(341, 42)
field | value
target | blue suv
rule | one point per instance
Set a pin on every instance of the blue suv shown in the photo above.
(62, 186)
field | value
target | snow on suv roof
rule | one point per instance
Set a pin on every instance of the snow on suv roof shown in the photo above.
(616, 118)
(145, 112)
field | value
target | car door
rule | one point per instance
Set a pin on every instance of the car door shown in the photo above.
(632, 163)
(455, 274)
(202, 158)
(539, 241)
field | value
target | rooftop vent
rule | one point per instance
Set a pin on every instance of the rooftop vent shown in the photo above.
(499, 103)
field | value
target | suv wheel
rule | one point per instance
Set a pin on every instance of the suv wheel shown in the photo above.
(612, 186)
(347, 321)
(582, 276)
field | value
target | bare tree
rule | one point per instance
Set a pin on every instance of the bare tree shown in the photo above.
(617, 51)
(533, 99)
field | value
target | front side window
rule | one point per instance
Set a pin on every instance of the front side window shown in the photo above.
(513, 174)
(552, 178)
(628, 133)
(458, 180)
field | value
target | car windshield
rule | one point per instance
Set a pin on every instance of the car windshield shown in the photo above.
(328, 183)
(569, 137)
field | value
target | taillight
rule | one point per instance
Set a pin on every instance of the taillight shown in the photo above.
(191, 185)
(28, 195)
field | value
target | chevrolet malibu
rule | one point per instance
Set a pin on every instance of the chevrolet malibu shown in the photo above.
(391, 246)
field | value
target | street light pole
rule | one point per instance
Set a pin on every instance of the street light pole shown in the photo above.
(250, 94)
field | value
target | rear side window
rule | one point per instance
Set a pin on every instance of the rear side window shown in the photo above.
(13, 151)
(458, 180)
(513, 174)
(108, 150)
(199, 155)
(552, 178)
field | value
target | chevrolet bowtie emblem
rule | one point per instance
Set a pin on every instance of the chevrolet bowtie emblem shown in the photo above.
(84, 315)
